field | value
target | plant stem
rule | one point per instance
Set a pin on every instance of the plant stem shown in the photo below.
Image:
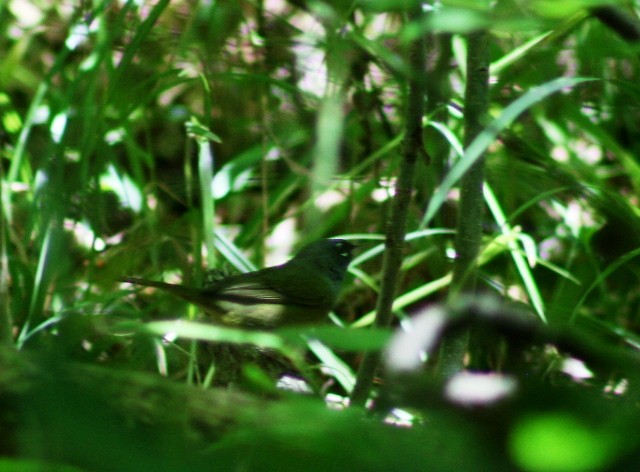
(396, 225)
(471, 208)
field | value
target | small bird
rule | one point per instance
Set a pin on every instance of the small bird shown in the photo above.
(302, 290)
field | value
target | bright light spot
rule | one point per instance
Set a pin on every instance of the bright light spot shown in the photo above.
(293, 384)
(79, 34)
(329, 199)
(385, 190)
(41, 179)
(280, 242)
(128, 193)
(576, 369)
(58, 125)
(560, 154)
(380, 195)
(152, 202)
(230, 178)
(453, 195)
(516, 292)
(551, 248)
(406, 351)
(19, 187)
(114, 136)
(41, 115)
(84, 235)
(90, 62)
(401, 418)
(310, 59)
(313, 69)
(170, 337)
(273, 154)
(336, 401)
(589, 153)
(617, 388)
(27, 14)
(472, 389)
(577, 218)
(72, 155)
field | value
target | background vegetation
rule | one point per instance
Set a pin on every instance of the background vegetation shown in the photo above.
(164, 138)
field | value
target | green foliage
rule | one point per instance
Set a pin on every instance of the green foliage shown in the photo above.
(165, 139)
(568, 444)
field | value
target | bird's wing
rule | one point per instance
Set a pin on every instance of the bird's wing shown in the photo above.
(273, 286)
(247, 289)
(249, 293)
(307, 288)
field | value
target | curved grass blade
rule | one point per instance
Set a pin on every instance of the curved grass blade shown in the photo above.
(487, 136)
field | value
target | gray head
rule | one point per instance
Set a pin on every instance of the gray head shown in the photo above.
(331, 256)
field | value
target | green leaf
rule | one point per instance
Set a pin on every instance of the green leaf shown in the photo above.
(560, 441)
(345, 339)
(200, 132)
(208, 332)
(480, 144)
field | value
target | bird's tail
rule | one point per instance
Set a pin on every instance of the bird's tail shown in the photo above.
(185, 293)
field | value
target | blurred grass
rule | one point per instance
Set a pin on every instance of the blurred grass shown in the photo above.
(100, 177)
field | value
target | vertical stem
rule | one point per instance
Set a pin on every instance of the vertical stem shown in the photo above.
(471, 199)
(205, 173)
(396, 225)
(6, 320)
(469, 226)
(262, 67)
(206, 168)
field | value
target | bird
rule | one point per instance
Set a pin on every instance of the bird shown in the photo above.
(301, 291)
